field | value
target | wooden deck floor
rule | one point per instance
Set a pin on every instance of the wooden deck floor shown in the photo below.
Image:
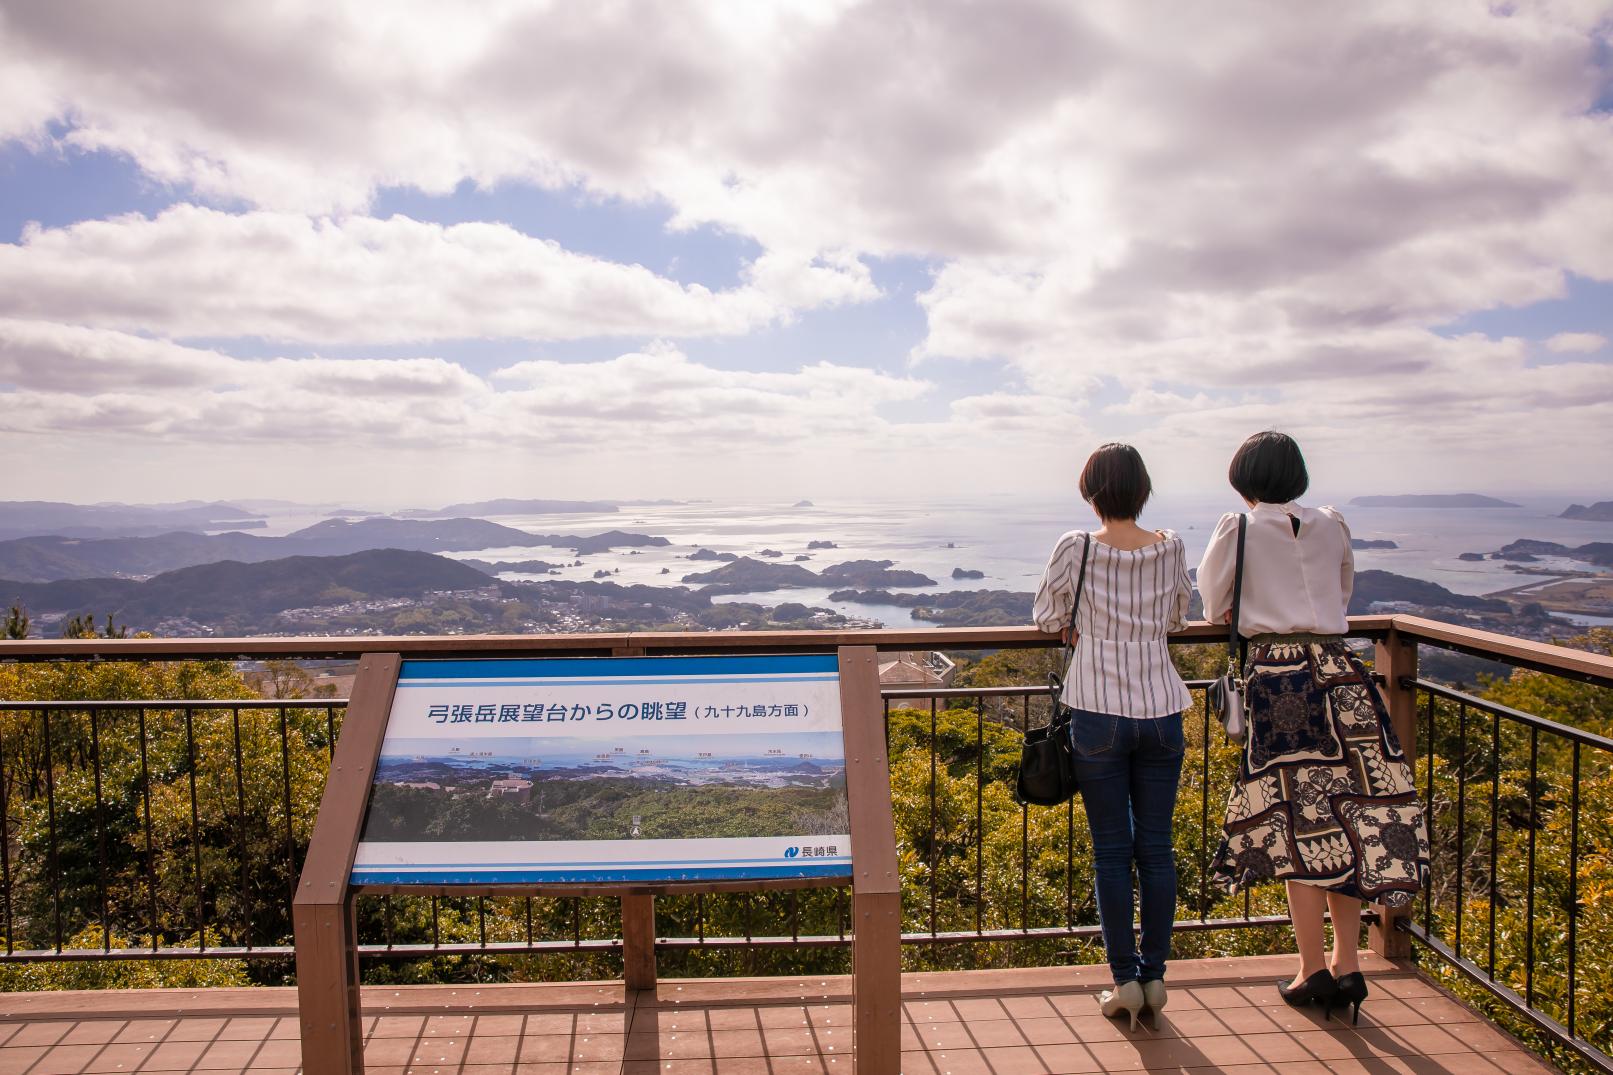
(1224, 1016)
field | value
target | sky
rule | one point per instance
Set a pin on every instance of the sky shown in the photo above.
(418, 252)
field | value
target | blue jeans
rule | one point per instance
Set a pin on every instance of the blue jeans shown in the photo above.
(1128, 770)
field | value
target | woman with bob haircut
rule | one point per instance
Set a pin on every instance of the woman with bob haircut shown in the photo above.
(1323, 798)
(1129, 588)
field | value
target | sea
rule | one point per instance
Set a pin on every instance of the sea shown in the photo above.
(1007, 538)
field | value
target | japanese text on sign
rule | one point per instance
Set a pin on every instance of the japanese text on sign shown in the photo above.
(556, 713)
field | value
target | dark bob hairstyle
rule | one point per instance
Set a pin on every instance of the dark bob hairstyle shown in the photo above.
(1115, 482)
(1269, 469)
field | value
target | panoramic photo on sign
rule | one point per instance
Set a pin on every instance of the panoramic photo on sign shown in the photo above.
(610, 769)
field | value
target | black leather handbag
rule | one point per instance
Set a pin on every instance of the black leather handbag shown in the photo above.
(1046, 759)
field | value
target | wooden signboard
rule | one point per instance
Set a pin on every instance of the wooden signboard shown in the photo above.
(513, 746)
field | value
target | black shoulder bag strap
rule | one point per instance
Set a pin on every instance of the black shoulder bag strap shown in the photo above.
(1234, 642)
(1056, 678)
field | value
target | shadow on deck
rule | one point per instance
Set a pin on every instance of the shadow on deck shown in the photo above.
(1224, 1015)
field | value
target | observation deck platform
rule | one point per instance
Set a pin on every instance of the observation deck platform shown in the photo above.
(1224, 1016)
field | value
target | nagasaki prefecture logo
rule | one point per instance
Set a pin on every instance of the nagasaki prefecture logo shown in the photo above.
(791, 852)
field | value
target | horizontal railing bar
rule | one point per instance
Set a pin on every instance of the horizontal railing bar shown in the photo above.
(1085, 932)
(653, 643)
(961, 692)
(174, 703)
(1528, 720)
(1476, 974)
(420, 950)
(89, 955)
(993, 692)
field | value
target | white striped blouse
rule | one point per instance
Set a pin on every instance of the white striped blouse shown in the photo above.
(1131, 600)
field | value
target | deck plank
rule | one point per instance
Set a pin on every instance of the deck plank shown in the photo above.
(1223, 1015)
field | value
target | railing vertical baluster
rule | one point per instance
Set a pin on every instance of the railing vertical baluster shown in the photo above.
(529, 921)
(5, 841)
(1428, 812)
(840, 910)
(934, 842)
(481, 920)
(100, 827)
(980, 820)
(50, 807)
(195, 830)
(1024, 835)
(1204, 817)
(1573, 895)
(1461, 817)
(145, 801)
(1069, 862)
(386, 919)
(576, 922)
(700, 917)
(240, 828)
(285, 804)
(436, 925)
(1495, 825)
(795, 916)
(1529, 899)
(330, 732)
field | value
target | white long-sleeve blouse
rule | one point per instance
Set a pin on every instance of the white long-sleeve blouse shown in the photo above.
(1292, 583)
(1130, 601)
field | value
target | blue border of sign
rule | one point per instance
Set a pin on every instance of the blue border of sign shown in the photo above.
(584, 667)
(449, 875)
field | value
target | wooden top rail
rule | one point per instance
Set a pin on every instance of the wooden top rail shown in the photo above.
(1538, 656)
(652, 643)
(1578, 664)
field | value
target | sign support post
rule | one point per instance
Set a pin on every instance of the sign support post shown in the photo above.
(323, 920)
(876, 901)
(638, 941)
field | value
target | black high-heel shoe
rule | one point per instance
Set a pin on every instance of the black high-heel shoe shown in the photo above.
(1350, 990)
(1319, 988)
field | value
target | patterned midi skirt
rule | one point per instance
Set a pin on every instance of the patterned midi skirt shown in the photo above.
(1323, 794)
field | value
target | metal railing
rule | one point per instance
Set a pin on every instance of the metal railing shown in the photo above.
(163, 829)
(1505, 795)
(192, 888)
(1210, 763)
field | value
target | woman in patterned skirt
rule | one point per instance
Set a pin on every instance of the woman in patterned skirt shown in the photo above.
(1324, 798)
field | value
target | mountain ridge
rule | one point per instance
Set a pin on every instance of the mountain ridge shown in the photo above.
(1432, 500)
(51, 558)
(231, 590)
(1599, 512)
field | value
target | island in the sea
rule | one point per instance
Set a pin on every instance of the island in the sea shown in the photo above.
(1372, 543)
(1599, 512)
(1432, 500)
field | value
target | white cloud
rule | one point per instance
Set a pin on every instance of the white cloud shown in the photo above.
(193, 271)
(648, 416)
(66, 378)
(1422, 426)
(1243, 214)
(1583, 343)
